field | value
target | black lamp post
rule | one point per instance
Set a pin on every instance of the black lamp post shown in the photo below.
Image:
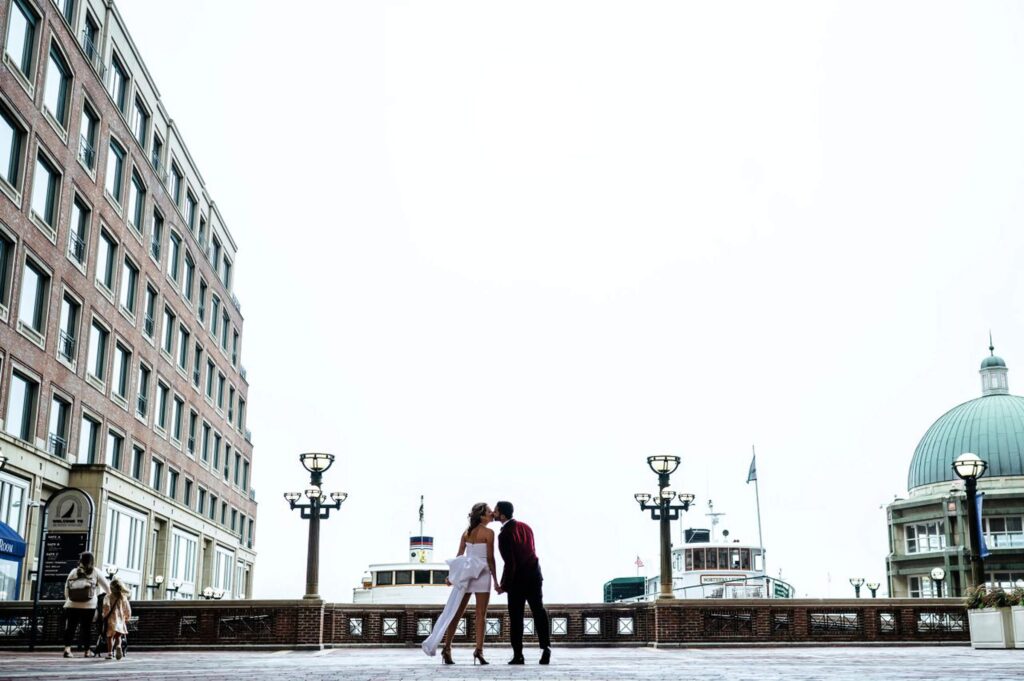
(663, 510)
(856, 583)
(173, 588)
(969, 467)
(315, 510)
(155, 585)
(209, 594)
(873, 588)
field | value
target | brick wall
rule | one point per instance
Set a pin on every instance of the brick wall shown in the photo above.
(300, 623)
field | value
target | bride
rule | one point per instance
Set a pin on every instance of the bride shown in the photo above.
(469, 573)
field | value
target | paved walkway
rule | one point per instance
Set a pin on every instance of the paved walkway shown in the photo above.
(617, 664)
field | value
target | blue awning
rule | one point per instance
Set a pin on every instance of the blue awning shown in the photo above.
(11, 542)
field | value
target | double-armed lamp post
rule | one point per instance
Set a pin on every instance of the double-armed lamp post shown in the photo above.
(969, 467)
(317, 508)
(663, 510)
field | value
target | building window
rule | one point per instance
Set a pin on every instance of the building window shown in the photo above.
(202, 301)
(140, 124)
(149, 322)
(21, 36)
(197, 363)
(67, 10)
(227, 460)
(13, 493)
(137, 459)
(173, 253)
(234, 348)
(226, 274)
(21, 406)
(211, 510)
(209, 379)
(926, 537)
(35, 291)
(176, 182)
(176, 418)
(122, 367)
(58, 86)
(69, 312)
(143, 387)
(129, 286)
(190, 211)
(241, 414)
(172, 483)
(224, 332)
(169, 319)
(118, 84)
(183, 339)
(106, 254)
(157, 152)
(220, 391)
(1004, 532)
(126, 534)
(205, 448)
(156, 474)
(216, 451)
(201, 501)
(223, 513)
(87, 142)
(156, 234)
(193, 421)
(97, 351)
(114, 444)
(136, 203)
(115, 171)
(162, 392)
(45, 192)
(6, 269)
(231, 404)
(90, 38)
(88, 440)
(214, 315)
(184, 548)
(922, 587)
(223, 570)
(186, 280)
(11, 137)
(78, 230)
(245, 475)
(60, 415)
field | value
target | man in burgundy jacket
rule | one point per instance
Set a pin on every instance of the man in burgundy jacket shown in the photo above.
(522, 581)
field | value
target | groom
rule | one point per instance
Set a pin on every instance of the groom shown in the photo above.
(522, 581)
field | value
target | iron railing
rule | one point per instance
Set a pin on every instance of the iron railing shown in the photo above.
(76, 247)
(154, 248)
(58, 446)
(140, 406)
(93, 53)
(87, 153)
(67, 345)
(148, 325)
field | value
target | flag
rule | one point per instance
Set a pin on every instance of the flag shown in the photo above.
(639, 563)
(982, 548)
(421, 508)
(752, 474)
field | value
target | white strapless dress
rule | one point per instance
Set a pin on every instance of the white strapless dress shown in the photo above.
(468, 574)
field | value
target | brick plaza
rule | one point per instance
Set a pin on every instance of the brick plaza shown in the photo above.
(620, 664)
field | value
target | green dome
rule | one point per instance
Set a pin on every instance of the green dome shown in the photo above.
(992, 361)
(991, 426)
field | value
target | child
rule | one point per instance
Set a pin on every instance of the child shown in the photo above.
(116, 613)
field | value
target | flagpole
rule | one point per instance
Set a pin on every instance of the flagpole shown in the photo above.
(760, 539)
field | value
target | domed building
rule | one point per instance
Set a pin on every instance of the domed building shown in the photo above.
(929, 529)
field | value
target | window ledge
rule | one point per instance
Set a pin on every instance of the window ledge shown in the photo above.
(91, 172)
(80, 266)
(114, 203)
(55, 124)
(33, 335)
(4, 312)
(11, 191)
(95, 382)
(141, 418)
(106, 292)
(127, 314)
(118, 400)
(25, 83)
(71, 364)
(48, 231)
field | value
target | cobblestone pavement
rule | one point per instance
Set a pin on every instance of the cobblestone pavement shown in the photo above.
(618, 664)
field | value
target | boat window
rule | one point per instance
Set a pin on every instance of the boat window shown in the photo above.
(698, 559)
(723, 559)
(689, 559)
(744, 559)
(422, 576)
(758, 561)
(439, 576)
(712, 559)
(385, 578)
(403, 577)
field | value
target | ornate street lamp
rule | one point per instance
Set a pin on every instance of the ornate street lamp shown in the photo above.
(155, 585)
(873, 588)
(969, 467)
(938, 574)
(856, 583)
(173, 588)
(317, 508)
(663, 510)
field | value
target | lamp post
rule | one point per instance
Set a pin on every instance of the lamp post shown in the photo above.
(856, 583)
(155, 585)
(173, 588)
(315, 510)
(969, 467)
(664, 511)
(873, 588)
(938, 574)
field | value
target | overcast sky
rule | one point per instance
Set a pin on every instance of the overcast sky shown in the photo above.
(509, 250)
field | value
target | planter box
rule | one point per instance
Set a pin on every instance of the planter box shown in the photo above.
(991, 628)
(1017, 617)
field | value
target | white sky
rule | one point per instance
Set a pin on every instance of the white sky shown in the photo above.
(508, 250)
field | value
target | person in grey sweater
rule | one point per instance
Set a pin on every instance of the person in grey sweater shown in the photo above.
(80, 591)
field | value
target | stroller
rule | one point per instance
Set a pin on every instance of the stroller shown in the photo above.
(100, 649)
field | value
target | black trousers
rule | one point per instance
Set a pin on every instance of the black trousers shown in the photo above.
(78, 618)
(518, 597)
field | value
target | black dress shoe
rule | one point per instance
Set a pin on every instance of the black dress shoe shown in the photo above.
(545, 657)
(518, 659)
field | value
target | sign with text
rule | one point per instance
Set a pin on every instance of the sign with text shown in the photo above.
(69, 510)
(60, 557)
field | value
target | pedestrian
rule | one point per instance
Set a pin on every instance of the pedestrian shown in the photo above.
(116, 613)
(80, 590)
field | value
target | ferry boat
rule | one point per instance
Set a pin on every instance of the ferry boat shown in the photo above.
(706, 566)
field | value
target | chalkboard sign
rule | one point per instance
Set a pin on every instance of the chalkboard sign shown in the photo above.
(60, 557)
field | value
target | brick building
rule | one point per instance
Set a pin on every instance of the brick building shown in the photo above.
(120, 334)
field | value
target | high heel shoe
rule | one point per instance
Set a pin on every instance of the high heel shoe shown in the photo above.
(478, 656)
(446, 656)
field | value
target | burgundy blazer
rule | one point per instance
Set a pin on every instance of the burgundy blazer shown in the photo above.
(515, 543)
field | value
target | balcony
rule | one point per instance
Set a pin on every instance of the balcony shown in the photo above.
(66, 345)
(57, 446)
(87, 153)
(147, 325)
(76, 247)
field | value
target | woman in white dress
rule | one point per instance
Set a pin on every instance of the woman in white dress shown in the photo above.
(471, 572)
